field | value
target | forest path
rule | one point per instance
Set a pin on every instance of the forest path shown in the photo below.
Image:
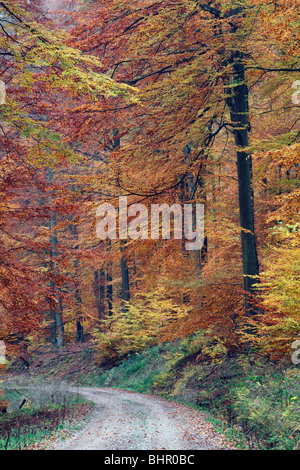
(125, 420)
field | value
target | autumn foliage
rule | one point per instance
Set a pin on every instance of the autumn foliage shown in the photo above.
(147, 99)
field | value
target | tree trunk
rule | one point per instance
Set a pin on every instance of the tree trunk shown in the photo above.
(99, 290)
(109, 287)
(109, 292)
(78, 301)
(238, 103)
(125, 289)
(79, 326)
(52, 316)
(56, 307)
(59, 323)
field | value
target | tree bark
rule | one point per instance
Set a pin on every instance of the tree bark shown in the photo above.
(78, 301)
(56, 308)
(59, 323)
(99, 290)
(125, 289)
(52, 316)
(238, 103)
(109, 292)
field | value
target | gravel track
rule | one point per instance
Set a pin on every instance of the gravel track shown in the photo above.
(125, 420)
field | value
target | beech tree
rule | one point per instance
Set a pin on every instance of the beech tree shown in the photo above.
(184, 61)
(165, 103)
(37, 68)
(195, 65)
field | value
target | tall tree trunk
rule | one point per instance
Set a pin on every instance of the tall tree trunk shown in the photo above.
(109, 291)
(52, 315)
(99, 290)
(109, 287)
(125, 289)
(239, 107)
(79, 326)
(56, 306)
(59, 323)
(78, 301)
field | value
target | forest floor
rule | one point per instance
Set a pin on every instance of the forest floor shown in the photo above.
(74, 363)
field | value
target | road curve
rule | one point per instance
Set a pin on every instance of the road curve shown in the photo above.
(124, 420)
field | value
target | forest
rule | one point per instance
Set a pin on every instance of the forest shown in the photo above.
(169, 104)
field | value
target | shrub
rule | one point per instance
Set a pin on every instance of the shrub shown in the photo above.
(267, 409)
(132, 329)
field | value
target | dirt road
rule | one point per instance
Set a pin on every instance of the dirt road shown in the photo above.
(124, 420)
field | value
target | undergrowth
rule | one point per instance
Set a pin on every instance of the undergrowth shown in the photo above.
(256, 400)
(44, 413)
